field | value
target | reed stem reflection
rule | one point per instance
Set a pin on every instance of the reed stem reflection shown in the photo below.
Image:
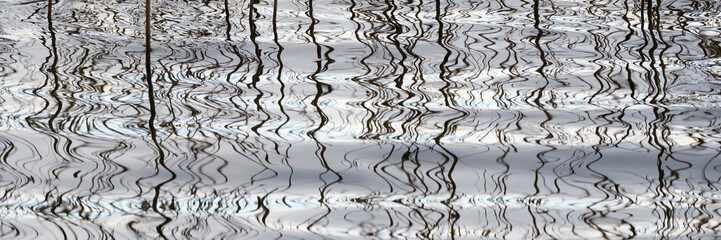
(360, 119)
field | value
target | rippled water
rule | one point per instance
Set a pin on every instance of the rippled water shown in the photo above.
(360, 119)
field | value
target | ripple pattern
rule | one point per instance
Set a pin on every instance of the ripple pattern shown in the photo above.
(374, 119)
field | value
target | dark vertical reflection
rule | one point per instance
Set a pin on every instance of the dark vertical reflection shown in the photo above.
(627, 37)
(389, 14)
(447, 96)
(54, 69)
(321, 89)
(448, 156)
(542, 53)
(228, 25)
(280, 69)
(253, 16)
(160, 157)
(59, 106)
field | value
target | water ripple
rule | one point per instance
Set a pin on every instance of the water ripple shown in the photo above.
(359, 119)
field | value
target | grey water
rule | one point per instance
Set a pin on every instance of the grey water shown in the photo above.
(360, 119)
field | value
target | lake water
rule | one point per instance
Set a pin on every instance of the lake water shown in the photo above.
(351, 119)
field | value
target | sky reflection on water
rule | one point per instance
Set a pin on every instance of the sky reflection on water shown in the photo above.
(360, 119)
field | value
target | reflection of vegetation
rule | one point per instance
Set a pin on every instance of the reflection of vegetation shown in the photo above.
(428, 119)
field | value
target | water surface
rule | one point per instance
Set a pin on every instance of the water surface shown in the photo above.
(358, 119)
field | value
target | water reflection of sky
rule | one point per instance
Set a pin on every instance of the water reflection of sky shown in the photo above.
(359, 119)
